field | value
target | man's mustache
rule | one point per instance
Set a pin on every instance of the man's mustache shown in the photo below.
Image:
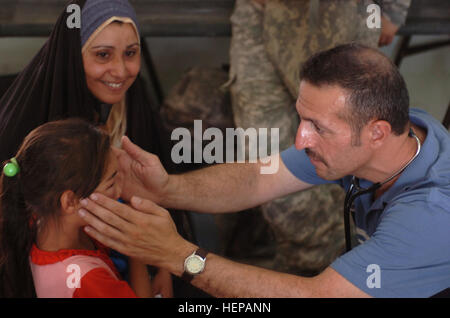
(312, 154)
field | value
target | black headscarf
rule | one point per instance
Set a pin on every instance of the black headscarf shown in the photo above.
(53, 86)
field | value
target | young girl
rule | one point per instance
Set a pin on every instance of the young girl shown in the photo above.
(44, 251)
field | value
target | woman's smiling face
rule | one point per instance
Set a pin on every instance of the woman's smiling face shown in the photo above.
(112, 62)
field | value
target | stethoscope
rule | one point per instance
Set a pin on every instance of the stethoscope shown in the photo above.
(350, 196)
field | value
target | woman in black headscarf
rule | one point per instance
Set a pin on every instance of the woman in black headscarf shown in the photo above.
(92, 73)
(54, 85)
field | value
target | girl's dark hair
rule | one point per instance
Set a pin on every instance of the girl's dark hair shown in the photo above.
(61, 155)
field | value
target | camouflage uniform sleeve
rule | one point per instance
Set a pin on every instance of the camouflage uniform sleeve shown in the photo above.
(395, 10)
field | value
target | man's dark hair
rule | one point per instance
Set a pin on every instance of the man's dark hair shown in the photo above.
(376, 89)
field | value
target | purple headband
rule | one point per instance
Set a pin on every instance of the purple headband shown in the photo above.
(96, 12)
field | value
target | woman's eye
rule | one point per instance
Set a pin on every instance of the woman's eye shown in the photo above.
(102, 55)
(130, 53)
(110, 186)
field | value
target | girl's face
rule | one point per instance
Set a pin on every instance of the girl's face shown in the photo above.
(111, 184)
(112, 62)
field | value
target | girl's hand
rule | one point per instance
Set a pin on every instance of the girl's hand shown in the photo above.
(162, 284)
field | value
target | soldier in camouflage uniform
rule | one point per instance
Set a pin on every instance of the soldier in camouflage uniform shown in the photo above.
(271, 39)
(394, 10)
(394, 14)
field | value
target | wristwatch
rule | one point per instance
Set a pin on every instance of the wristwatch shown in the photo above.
(194, 264)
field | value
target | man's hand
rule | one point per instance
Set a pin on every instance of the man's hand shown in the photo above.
(143, 173)
(388, 31)
(143, 230)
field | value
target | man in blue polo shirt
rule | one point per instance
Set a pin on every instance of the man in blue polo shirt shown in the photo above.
(402, 230)
(356, 130)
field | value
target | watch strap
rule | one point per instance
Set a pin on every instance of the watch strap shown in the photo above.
(187, 277)
(201, 252)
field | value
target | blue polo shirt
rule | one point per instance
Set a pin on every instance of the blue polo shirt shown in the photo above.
(405, 233)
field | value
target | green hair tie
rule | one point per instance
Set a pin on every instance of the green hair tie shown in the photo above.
(11, 168)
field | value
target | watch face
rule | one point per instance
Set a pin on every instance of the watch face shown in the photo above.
(194, 264)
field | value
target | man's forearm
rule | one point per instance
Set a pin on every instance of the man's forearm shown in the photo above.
(217, 189)
(225, 278)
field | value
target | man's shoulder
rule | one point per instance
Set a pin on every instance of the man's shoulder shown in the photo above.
(423, 198)
(421, 117)
(423, 214)
(436, 148)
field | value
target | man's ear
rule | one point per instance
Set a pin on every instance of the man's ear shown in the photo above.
(69, 202)
(379, 131)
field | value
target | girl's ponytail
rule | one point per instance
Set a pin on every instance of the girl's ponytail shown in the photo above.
(17, 232)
